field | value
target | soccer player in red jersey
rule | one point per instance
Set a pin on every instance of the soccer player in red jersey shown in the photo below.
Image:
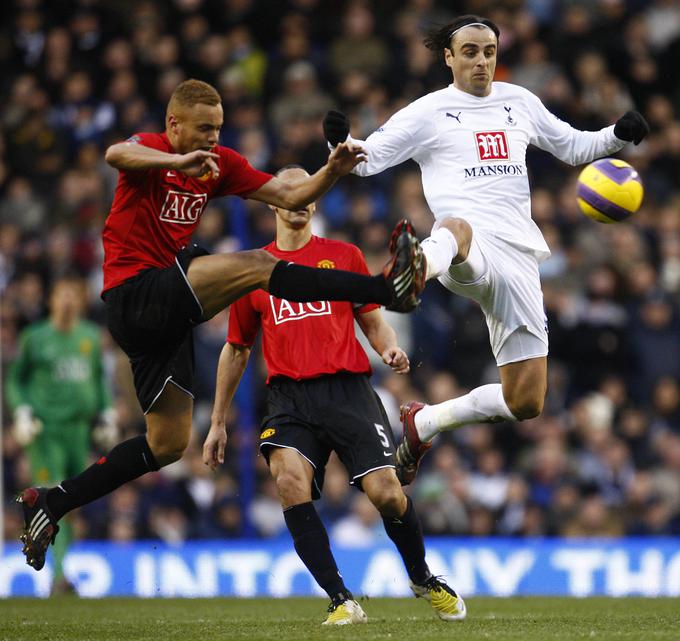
(319, 400)
(157, 285)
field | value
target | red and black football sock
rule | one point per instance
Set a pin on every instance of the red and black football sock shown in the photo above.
(125, 462)
(302, 284)
(313, 547)
(407, 534)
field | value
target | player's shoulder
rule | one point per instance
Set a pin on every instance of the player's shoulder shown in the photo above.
(231, 160)
(426, 102)
(333, 244)
(416, 111)
(507, 90)
(149, 139)
(227, 152)
(437, 94)
(223, 150)
(338, 254)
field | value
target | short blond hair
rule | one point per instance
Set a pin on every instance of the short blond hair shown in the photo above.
(192, 92)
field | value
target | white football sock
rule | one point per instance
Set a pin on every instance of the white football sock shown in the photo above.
(483, 404)
(440, 249)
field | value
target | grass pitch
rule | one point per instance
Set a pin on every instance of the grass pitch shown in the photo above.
(521, 619)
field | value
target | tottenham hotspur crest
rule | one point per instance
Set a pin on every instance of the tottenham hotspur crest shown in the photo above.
(509, 120)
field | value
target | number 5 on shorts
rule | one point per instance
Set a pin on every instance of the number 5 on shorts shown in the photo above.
(383, 438)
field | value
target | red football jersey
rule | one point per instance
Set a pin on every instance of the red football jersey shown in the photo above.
(304, 340)
(155, 211)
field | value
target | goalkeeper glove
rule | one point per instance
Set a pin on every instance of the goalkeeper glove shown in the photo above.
(105, 433)
(26, 426)
(335, 127)
(631, 127)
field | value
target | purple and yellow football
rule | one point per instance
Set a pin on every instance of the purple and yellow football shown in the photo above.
(609, 190)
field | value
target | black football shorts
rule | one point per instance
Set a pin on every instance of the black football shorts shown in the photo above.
(338, 412)
(151, 317)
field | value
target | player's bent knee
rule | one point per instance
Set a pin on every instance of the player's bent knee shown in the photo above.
(526, 408)
(462, 231)
(166, 450)
(260, 264)
(392, 504)
(259, 257)
(263, 262)
(253, 265)
(388, 498)
(167, 454)
(292, 488)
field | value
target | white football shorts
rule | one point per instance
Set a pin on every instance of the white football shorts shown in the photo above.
(504, 280)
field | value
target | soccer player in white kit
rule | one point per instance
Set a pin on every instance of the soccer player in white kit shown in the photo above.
(470, 141)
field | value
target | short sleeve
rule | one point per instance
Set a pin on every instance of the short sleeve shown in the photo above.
(237, 176)
(358, 265)
(244, 322)
(155, 141)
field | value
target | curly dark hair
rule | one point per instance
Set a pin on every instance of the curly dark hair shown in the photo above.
(439, 38)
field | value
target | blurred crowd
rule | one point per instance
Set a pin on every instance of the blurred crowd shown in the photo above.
(604, 457)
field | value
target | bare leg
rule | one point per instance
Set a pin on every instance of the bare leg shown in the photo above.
(524, 386)
(519, 397)
(384, 491)
(450, 244)
(462, 232)
(293, 475)
(218, 280)
(168, 425)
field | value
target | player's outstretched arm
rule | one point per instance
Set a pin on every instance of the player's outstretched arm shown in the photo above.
(294, 195)
(383, 340)
(408, 130)
(232, 364)
(576, 147)
(133, 156)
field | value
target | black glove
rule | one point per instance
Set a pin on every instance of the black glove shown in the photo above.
(632, 127)
(335, 127)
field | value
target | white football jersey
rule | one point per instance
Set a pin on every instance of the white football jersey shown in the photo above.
(472, 155)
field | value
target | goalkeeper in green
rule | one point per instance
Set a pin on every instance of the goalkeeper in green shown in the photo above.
(57, 390)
